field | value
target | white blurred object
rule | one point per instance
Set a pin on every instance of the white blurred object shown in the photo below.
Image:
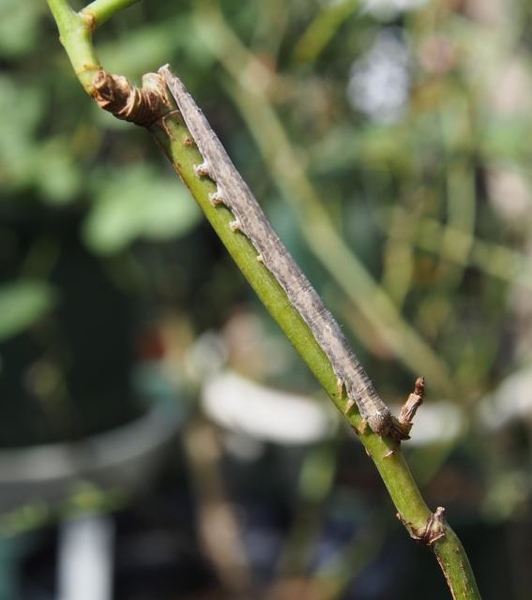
(206, 357)
(379, 82)
(435, 423)
(266, 414)
(85, 563)
(511, 401)
(490, 13)
(255, 412)
(124, 458)
(388, 9)
(509, 193)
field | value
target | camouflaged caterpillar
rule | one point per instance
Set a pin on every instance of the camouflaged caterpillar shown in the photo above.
(233, 192)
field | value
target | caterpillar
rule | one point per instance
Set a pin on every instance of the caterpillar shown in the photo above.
(249, 219)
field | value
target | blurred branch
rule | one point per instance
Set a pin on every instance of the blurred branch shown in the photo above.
(458, 246)
(322, 29)
(218, 524)
(461, 202)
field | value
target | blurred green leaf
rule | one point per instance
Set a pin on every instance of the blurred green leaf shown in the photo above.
(22, 107)
(507, 138)
(147, 48)
(22, 304)
(58, 175)
(135, 203)
(19, 25)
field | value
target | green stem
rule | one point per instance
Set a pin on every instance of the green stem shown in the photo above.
(176, 141)
(75, 33)
(103, 10)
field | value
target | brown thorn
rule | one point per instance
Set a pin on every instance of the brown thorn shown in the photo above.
(435, 527)
(404, 423)
(419, 387)
(433, 530)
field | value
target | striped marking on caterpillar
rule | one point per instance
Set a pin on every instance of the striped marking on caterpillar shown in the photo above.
(250, 220)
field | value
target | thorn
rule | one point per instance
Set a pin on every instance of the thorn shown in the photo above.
(434, 528)
(419, 387)
(409, 408)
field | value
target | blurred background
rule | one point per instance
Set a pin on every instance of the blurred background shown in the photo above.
(159, 438)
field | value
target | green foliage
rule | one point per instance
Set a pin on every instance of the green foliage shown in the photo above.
(137, 203)
(23, 304)
(17, 133)
(19, 26)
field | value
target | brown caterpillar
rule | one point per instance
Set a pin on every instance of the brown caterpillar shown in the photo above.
(233, 192)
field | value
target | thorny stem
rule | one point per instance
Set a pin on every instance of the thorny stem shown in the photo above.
(148, 107)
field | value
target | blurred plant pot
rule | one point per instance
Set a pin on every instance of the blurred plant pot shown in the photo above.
(90, 475)
(124, 459)
(79, 403)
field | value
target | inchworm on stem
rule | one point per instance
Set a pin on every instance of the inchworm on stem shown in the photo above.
(233, 192)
